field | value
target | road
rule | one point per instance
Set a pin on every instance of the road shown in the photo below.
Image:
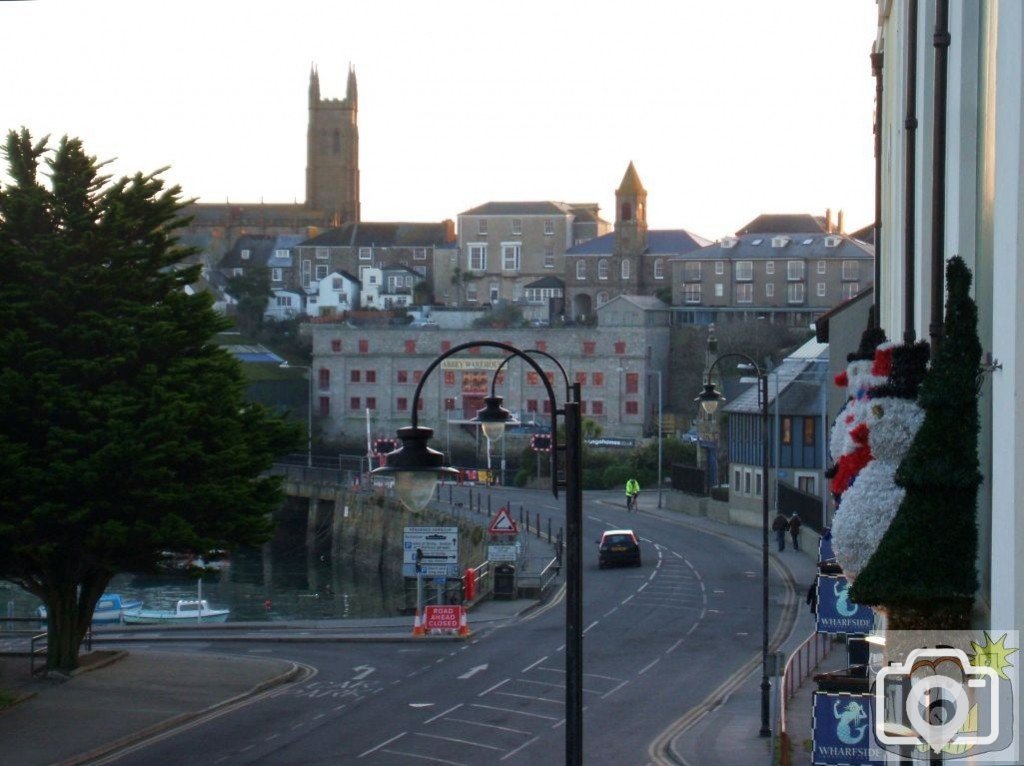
(658, 641)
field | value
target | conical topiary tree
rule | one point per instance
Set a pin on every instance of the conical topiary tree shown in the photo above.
(923, 574)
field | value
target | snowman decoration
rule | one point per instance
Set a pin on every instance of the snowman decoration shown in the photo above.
(892, 417)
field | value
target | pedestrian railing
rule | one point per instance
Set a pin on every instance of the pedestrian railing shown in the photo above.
(801, 662)
(37, 648)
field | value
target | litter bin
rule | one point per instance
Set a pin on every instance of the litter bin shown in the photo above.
(505, 581)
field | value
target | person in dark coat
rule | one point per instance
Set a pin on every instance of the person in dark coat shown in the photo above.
(794, 531)
(812, 598)
(779, 527)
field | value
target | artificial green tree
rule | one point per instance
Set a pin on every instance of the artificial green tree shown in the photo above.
(923, 574)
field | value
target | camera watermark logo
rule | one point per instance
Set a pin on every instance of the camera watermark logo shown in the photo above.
(944, 702)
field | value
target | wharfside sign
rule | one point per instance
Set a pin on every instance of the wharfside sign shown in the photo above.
(836, 613)
(471, 364)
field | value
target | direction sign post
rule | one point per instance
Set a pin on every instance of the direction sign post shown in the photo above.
(431, 551)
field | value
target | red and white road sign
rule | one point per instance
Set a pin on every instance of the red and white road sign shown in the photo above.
(503, 524)
(441, 617)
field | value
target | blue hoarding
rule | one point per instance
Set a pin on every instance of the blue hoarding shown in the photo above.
(843, 730)
(836, 613)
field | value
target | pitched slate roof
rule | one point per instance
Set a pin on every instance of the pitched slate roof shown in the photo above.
(783, 223)
(795, 398)
(671, 242)
(520, 208)
(400, 234)
(800, 245)
(260, 246)
(548, 281)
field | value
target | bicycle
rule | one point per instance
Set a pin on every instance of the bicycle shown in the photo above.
(630, 503)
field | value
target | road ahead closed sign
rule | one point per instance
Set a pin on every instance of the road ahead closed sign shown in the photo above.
(441, 617)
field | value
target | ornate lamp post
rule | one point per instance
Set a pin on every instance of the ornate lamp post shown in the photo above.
(709, 400)
(416, 469)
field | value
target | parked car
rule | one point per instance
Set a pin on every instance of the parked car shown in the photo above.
(618, 546)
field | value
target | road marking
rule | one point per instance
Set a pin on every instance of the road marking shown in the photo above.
(589, 627)
(628, 598)
(529, 697)
(473, 671)
(443, 713)
(459, 741)
(247, 747)
(272, 736)
(487, 691)
(674, 646)
(609, 611)
(318, 716)
(421, 704)
(488, 725)
(612, 691)
(678, 556)
(531, 667)
(521, 747)
(650, 665)
(382, 744)
(424, 757)
(518, 712)
(642, 586)
(541, 683)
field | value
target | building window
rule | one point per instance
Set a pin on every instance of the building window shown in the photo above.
(691, 293)
(795, 270)
(691, 271)
(410, 347)
(769, 267)
(632, 382)
(745, 293)
(364, 346)
(549, 257)
(353, 403)
(477, 256)
(449, 377)
(417, 376)
(850, 290)
(809, 431)
(510, 256)
(335, 345)
(851, 270)
(822, 267)
(744, 271)
(549, 227)
(366, 253)
(371, 376)
(795, 292)
(597, 378)
(517, 226)
(786, 430)
(589, 346)
(597, 407)
(659, 268)
(542, 345)
(821, 289)
(419, 253)
(602, 269)
(321, 270)
(736, 475)
(446, 345)
(401, 376)
(769, 290)
(719, 290)
(481, 227)
(307, 272)
(746, 481)
(719, 267)
(324, 379)
(532, 379)
(494, 290)
(283, 300)
(354, 376)
(371, 402)
(531, 405)
(806, 484)
(322, 253)
(275, 275)
(581, 270)
(581, 378)
(325, 406)
(470, 293)
(757, 483)
(401, 404)
(625, 268)
(632, 408)
(602, 297)
(620, 347)
(449, 403)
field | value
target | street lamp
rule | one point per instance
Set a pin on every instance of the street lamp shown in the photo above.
(709, 400)
(416, 469)
(309, 410)
(660, 417)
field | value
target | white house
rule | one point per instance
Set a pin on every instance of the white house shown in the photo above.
(338, 292)
(284, 304)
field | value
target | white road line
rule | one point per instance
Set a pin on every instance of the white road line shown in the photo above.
(298, 725)
(270, 737)
(653, 575)
(382, 744)
(247, 747)
(444, 713)
(589, 627)
(610, 611)
(692, 627)
(526, 744)
(650, 665)
(318, 716)
(454, 739)
(612, 691)
(530, 697)
(488, 691)
(627, 598)
(528, 668)
(424, 757)
(540, 683)
(638, 590)
(489, 726)
(340, 707)
(674, 646)
(676, 555)
(518, 712)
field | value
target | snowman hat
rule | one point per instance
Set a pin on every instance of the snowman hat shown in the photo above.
(908, 370)
(869, 341)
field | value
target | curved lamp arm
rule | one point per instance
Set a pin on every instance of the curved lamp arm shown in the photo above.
(538, 352)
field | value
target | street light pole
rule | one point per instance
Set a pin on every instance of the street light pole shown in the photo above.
(709, 399)
(660, 420)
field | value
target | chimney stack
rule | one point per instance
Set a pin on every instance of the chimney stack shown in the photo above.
(828, 220)
(839, 224)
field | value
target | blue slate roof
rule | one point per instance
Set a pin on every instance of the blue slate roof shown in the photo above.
(752, 247)
(659, 242)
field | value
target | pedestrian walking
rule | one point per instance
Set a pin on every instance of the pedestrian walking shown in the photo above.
(812, 597)
(794, 530)
(779, 527)
(632, 490)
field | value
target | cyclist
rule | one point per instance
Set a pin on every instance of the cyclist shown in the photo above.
(632, 490)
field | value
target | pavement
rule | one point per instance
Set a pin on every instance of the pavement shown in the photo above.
(119, 697)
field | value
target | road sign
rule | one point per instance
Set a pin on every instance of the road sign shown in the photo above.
(432, 551)
(503, 524)
(502, 552)
(441, 617)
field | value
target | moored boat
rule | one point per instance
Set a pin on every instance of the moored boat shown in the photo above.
(185, 611)
(109, 609)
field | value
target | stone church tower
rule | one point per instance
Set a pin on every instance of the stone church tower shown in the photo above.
(630, 231)
(332, 152)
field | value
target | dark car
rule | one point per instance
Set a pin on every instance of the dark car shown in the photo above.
(618, 546)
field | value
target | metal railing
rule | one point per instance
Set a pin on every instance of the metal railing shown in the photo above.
(801, 662)
(37, 648)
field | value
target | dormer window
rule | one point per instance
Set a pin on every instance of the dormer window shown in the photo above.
(756, 242)
(780, 241)
(832, 241)
(246, 254)
(729, 242)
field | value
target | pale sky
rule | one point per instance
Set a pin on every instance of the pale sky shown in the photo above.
(728, 108)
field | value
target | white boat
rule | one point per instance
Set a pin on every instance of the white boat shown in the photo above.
(109, 609)
(185, 611)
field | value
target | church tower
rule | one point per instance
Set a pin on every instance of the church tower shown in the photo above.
(332, 152)
(630, 230)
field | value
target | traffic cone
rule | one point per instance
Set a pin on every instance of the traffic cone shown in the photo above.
(463, 623)
(417, 625)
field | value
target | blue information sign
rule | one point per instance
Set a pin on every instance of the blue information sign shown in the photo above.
(836, 613)
(843, 730)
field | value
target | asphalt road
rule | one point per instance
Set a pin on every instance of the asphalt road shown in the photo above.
(658, 640)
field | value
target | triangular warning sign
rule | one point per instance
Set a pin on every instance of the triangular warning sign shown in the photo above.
(503, 524)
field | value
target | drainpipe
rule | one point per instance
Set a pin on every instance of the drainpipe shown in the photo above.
(910, 172)
(941, 42)
(876, 70)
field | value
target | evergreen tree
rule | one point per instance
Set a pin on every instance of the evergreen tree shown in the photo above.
(252, 291)
(923, 573)
(125, 429)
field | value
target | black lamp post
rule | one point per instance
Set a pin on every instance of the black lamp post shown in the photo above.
(416, 468)
(709, 400)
